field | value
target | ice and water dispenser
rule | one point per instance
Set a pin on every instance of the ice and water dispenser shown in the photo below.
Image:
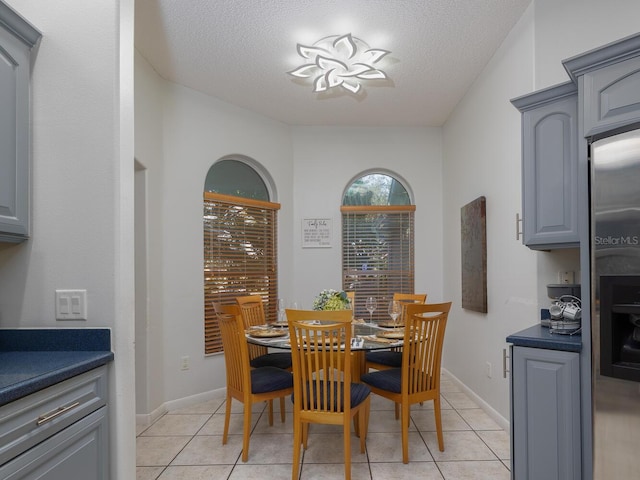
(620, 326)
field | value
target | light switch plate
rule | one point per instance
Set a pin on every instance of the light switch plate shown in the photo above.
(71, 304)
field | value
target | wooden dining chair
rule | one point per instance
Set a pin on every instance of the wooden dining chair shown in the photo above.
(246, 384)
(220, 308)
(383, 359)
(252, 312)
(418, 379)
(258, 355)
(351, 295)
(407, 299)
(323, 391)
(410, 297)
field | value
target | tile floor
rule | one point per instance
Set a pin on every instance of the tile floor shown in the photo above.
(187, 444)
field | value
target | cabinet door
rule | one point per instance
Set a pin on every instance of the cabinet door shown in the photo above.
(550, 174)
(545, 419)
(612, 97)
(79, 451)
(16, 39)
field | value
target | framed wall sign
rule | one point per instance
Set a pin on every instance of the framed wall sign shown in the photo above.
(316, 233)
(474, 255)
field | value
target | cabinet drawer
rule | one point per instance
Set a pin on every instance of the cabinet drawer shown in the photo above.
(79, 451)
(36, 417)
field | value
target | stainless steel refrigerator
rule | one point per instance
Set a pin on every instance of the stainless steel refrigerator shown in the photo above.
(615, 285)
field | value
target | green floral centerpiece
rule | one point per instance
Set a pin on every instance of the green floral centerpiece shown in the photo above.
(331, 300)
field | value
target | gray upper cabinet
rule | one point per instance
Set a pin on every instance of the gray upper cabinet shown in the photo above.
(608, 78)
(550, 167)
(17, 38)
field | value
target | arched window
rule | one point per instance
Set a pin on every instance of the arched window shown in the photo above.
(240, 239)
(377, 240)
(233, 177)
(376, 189)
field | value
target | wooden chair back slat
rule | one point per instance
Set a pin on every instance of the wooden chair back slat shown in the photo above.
(252, 312)
(321, 355)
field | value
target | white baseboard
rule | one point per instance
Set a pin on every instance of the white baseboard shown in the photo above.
(489, 410)
(148, 419)
(186, 402)
(171, 405)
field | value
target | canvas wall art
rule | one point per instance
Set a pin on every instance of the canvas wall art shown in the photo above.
(474, 255)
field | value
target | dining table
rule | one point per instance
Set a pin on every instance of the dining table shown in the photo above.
(365, 337)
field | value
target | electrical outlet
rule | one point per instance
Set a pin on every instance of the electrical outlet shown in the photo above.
(488, 369)
(566, 277)
(184, 363)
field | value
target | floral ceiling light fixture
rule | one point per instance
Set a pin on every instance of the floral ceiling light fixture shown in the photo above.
(339, 61)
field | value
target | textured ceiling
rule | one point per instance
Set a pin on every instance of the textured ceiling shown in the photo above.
(241, 50)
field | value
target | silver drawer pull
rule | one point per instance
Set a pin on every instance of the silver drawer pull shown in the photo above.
(50, 416)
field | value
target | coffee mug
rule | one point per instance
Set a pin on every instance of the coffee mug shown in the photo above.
(556, 309)
(572, 312)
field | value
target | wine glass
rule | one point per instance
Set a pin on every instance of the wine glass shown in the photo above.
(394, 311)
(371, 304)
(281, 310)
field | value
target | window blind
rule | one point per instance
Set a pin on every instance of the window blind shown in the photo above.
(377, 254)
(240, 257)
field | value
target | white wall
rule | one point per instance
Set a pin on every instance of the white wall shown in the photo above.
(82, 172)
(195, 131)
(327, 160)
(150, 378)
(482, 157)
(567, 28)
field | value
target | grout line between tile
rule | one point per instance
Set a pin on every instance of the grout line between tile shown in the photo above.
(421, 433)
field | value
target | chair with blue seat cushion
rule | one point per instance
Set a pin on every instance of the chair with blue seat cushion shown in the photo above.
(383, 359)
(259, 356)
(252, 312)
(418, 378)
(323, 391)
(245, 384)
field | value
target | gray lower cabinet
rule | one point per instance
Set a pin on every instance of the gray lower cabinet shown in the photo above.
(545, 417)
(17, 38)
(550, 167)
(58, 433)
(76, 452)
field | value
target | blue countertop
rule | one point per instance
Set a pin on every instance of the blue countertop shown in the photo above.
(34, 359)
(540, 337)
